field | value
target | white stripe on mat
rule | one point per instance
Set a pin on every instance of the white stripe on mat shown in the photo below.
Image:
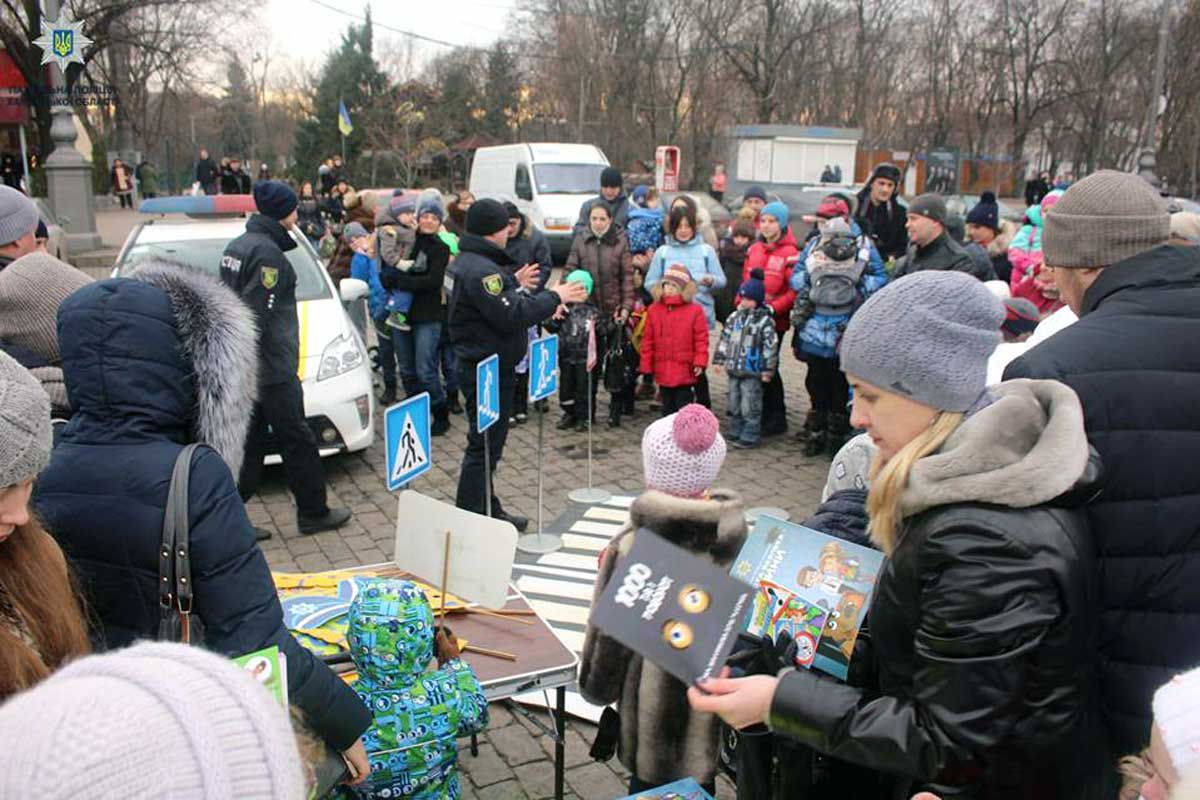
(561, 573)
(607, 514)
(559, 612)
(530, 584)
(592, 544)
(620, 501)
(606, 529)
(570, 561)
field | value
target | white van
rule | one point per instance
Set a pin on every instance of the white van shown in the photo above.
(548, 181)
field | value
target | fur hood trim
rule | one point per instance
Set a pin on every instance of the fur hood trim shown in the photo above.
(1026, 448)
(220, 340)
(713, 525)
(999, 245)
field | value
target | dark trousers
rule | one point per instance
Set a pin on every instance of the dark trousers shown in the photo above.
(573, 394)
(828, 391)
(675, 398)
(126, 200)
(387, 354)
(281, 406)
(774, 410)
(472, 477)
(521, 394)
(449, 364)
(700, 391)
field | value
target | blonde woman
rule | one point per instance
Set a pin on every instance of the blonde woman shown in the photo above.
(978, 679)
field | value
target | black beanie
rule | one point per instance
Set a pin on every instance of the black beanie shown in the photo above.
(486, 216)
(275, 199)
(610, 178)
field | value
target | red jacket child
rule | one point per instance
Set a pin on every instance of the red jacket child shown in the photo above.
(776, 260)
(675, 340)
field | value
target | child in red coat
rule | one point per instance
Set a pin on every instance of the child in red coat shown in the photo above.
(675, 340)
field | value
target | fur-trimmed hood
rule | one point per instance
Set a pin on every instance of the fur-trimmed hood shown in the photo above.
(1026, 448)
(999, 245)
(166, 352)
(712, 526)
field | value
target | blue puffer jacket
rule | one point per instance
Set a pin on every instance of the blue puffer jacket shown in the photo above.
(700, 260)
(366, 269)
(151, 363)
(822, 333)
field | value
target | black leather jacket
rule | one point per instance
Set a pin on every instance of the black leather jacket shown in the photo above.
(981, 666)
(945, 254)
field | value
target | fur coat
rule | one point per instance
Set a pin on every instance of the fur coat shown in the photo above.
(661, 739)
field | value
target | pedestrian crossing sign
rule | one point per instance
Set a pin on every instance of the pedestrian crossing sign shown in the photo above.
(543, 367)
(406, 431)
(487, 392)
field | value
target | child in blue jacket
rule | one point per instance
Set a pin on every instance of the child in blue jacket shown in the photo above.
(412, 744)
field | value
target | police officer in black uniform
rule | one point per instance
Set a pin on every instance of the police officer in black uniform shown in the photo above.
(488, 315)
(254, 266)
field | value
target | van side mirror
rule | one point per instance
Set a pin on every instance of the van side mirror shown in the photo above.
(352, 289)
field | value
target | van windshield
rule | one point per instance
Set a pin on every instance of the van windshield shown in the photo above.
(567, 178)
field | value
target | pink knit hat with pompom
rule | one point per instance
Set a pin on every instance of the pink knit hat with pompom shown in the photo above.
(682, 453)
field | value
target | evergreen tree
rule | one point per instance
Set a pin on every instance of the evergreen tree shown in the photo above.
(351, 76)
(500, 91)
(236, 113)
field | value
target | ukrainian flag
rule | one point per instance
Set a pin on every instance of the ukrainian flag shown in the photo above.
(344, 124)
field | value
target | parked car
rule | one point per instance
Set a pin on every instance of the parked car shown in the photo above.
(334, 368)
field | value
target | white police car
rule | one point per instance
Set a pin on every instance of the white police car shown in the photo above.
(334, 368)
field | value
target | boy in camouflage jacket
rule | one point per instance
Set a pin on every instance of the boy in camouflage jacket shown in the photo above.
(749, 351)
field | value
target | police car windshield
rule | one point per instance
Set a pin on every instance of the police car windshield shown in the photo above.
(567, 178)
(206, 254)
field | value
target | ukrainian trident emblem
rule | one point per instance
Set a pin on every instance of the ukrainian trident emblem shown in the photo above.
(62, 41)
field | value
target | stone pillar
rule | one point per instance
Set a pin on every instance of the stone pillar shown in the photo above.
(68, 173)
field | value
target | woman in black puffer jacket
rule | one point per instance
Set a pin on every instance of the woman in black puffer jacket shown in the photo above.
(152, 362)
(980, 676)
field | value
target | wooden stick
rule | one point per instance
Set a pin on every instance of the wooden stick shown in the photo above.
(445, 573)
(483, 651)
(498, 615)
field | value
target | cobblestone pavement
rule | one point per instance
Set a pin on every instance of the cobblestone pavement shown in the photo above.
(515, 759)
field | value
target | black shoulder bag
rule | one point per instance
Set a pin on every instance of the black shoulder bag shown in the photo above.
(176, 621)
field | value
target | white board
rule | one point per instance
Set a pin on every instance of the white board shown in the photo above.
(481, 549)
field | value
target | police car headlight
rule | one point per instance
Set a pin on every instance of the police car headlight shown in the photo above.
(340, 356)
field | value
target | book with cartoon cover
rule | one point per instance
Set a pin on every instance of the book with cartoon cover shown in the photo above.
(269, 667)
(814, 586)
(686, 789)
(673, 608)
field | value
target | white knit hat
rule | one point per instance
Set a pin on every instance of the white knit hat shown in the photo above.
(152, 721)
(1177, 715)
(682, 453)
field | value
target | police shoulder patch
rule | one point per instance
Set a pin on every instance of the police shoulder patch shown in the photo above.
(270, 277)
(493, 284)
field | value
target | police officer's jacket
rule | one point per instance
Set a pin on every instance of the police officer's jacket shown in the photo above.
(254, 266)
(487, 312)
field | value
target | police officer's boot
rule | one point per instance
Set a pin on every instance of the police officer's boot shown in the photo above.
(441, 420)
(817, 425)
(839, 430)
(453, 404)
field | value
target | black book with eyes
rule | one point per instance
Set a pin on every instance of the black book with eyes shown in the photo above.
(673, 608)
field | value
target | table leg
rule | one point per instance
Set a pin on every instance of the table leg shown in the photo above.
(560, 750)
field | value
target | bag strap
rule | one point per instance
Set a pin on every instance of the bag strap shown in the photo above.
(174, 564)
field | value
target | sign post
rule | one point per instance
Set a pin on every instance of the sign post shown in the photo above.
(487, 413)
(406, 431)
(543, 382)
(590, 494)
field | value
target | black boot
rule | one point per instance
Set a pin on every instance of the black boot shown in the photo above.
(441, 420)
(817, 426)
(839, 433)
(614, 414)
(452, 403)
(389, 396)
(330, 520)
(566, 422)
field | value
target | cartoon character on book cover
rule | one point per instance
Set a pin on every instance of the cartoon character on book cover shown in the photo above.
(811, 585)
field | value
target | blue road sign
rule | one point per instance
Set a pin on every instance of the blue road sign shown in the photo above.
(543, 367)
(406, 430)
(487, 389)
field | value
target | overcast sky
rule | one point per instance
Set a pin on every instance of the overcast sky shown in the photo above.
(307, 30)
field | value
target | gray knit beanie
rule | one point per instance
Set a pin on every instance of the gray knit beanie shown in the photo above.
(926, 336)
(930, 205)
(18, 215)
(152, 721)
(24, 425)
(1105, 218)
(31, 290)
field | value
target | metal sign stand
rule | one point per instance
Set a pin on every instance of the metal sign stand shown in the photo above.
(590, 494)
(540, 543)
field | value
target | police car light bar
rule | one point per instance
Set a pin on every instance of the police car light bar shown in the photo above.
(204, 205)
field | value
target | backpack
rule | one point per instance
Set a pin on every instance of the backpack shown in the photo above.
(834, 270)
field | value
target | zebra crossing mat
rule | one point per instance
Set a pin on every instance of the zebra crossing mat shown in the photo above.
(559, 585)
